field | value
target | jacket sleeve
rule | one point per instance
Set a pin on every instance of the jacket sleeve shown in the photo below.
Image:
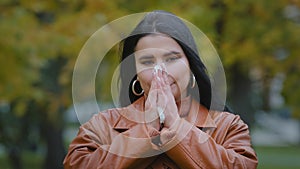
(197, 149)
(98, 145)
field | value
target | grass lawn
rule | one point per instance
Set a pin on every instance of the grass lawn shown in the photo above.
(278, 157)
(30, 160)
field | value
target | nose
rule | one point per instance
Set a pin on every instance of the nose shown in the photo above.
(160, 66)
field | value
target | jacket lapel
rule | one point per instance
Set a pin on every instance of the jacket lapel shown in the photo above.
(200, 116)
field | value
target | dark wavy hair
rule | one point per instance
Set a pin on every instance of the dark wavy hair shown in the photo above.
(164, 23)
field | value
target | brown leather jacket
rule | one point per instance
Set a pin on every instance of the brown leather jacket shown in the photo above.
(201, 139)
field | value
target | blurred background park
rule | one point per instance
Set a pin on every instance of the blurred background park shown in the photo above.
(258, 42)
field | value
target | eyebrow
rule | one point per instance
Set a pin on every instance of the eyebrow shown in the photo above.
(171, 53)
(144, 57)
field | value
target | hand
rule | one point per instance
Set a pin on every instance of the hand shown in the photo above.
(165, 98)
(160, 98)
(151, 116)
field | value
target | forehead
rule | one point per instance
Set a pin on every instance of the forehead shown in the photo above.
(158, 41)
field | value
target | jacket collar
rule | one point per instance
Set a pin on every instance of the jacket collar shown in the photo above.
(200, 116)
(133, 114)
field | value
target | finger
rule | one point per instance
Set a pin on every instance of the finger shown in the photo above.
(152, 96)
(159, 78)
(166, 135)
(161, 106)
(165, 74)
(156, 74)
(151, 102)
(165, 93)
(167, 88)
(165, 78)
(161, 75)
(151, 107)
(161, 99)
(154, 84)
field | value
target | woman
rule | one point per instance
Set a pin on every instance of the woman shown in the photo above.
(167, 119)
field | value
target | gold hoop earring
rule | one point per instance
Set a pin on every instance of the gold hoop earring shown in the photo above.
(193, 81)
(133, 89)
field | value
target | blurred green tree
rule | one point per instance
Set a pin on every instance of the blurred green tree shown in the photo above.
(38, 50)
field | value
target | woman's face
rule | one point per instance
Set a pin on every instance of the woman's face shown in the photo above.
(152, 50)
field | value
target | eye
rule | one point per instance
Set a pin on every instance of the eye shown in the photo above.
(147, 62)
(172, 58)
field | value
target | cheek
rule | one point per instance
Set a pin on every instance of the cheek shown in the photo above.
(181, 74)
(183, 79)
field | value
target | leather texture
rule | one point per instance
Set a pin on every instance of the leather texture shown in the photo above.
(117, 138)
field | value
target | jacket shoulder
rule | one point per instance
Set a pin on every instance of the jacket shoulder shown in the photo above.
(227, 118)
(109, 117)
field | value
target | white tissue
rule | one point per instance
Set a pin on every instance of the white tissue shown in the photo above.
(156, 68)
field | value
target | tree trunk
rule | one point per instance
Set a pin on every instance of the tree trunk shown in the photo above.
(240, 94)
(55, 147)
(53, 119)
(15, 157)
(266, 94)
